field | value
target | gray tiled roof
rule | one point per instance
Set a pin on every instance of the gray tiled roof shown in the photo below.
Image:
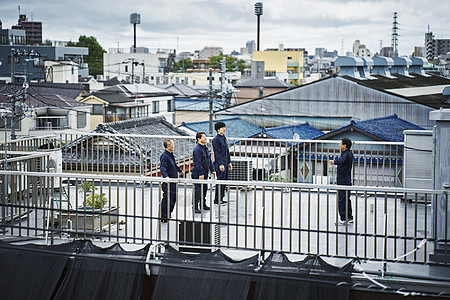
(128, 150)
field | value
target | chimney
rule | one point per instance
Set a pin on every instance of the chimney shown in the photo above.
(401, 65)
(381, 66)
(349, 66)
(281, 47)
(417, 66)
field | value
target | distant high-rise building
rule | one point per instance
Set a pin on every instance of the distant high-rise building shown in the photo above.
(436, 47)
(419, 51)
(387, 52)
(251, 46)
(360, 50)
(32, 29)
(208, 52)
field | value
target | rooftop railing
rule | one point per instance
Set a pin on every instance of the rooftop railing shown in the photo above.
(390, 224)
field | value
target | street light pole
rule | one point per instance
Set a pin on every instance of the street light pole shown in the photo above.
(258, 13)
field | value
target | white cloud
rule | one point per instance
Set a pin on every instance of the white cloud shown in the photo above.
(230, 23)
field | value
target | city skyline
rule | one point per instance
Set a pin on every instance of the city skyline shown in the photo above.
(193, 24)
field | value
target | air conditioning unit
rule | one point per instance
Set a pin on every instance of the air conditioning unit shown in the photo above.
(194, 235)
(242, 169)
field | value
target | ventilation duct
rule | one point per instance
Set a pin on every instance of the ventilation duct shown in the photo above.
(349, 66)
(365, 70)
(381, 66)
(401, 65)
(417, 64)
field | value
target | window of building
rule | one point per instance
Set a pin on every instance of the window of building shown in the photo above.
(155, 107)
(126, 69)
(97, 109)
(81, 119)
(51, 122)
(170, 107)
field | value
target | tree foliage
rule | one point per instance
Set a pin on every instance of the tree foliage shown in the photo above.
(232, 63)
(182, 65)
(95, 57)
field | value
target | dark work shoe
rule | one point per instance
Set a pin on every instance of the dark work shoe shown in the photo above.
(205, 207)
(221, 202)
(164, 220)
(197, 210)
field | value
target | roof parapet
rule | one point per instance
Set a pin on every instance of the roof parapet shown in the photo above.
(401, 65)
(417, 64)
(381, 66)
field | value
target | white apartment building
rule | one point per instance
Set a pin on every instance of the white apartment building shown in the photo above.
(137, 67)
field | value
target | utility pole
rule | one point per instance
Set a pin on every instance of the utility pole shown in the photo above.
(210, 78)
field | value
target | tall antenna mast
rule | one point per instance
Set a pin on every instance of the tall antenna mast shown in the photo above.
(395, 36)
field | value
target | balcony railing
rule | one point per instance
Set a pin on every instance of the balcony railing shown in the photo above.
(302, 161)
(390, 224)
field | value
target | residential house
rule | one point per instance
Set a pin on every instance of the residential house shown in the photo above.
(109, 150)
(127, 101)
(48, 108)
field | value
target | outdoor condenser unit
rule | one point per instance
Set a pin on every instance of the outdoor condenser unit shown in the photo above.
(242, 169)
(197, 231)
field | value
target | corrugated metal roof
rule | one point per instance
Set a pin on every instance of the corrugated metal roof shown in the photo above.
(236, 127)
(260, 82)
(196, 104)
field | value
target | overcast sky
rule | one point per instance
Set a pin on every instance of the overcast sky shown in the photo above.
(187, 25)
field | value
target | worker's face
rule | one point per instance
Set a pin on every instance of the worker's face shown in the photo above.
(342, 146)
(203, 139)
(170, 146)
(222, 130)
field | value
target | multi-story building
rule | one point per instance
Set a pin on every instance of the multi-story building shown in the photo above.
(140, 67)
(361, 50)
(33, 67)
(208, 52)
(284, 64)
(12, 37)
(33, 29)
(436, 47)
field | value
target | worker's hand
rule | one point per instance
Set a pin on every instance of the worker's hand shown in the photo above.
(181, 172)
(230, 166)
(201, 177)
(221, 168)
(331, 162)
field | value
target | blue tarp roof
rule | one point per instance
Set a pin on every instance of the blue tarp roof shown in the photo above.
(236, 127)
(301, 131)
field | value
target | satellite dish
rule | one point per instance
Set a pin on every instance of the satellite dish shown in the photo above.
(268, 167)
(296, 137)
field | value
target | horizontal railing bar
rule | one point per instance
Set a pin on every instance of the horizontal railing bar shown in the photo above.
(306, 186)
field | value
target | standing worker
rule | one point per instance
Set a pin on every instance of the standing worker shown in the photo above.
(344, 177)
(222, 160)
(169, 169)
(202, 166)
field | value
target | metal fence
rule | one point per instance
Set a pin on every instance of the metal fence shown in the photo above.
(264, 216)
(260, 159)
